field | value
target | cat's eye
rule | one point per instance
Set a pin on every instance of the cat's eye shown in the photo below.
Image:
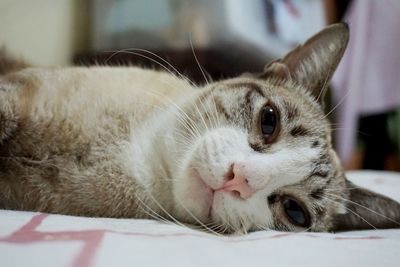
(269, 122)
(295, 212)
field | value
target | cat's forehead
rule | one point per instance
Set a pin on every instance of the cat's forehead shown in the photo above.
(300, 113)
(286, 94)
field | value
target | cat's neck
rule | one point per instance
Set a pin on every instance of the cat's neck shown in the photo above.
(150, 154)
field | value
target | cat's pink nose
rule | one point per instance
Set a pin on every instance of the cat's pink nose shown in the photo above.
(237, 182)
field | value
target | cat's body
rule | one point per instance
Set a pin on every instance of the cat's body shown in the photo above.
(73, 129)
(243, 154)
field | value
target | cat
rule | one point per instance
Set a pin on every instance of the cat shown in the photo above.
(242, 154)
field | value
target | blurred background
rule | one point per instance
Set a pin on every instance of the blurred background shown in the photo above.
(229, 37)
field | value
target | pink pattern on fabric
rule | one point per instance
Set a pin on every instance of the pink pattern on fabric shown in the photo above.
(92, 239)
(28, 234)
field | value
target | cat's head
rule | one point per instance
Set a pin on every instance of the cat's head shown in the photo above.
(256, 152)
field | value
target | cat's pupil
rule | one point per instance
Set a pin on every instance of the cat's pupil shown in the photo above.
(296, 213)
(268, 121)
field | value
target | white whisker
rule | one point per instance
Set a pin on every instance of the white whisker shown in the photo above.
(364, 207)
(353, 212)
(197, 61)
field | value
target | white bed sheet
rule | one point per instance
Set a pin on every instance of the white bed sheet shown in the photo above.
(37, 239)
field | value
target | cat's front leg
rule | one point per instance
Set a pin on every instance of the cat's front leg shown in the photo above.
(8, 127)
(17, 93)
(8, 119)
(8, 86)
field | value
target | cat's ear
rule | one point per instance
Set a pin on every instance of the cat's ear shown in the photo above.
(367, 210)
(313, 63)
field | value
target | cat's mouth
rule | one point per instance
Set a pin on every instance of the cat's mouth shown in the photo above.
(207, 194)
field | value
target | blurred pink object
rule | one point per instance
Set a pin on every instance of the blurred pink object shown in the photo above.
(368, 78)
